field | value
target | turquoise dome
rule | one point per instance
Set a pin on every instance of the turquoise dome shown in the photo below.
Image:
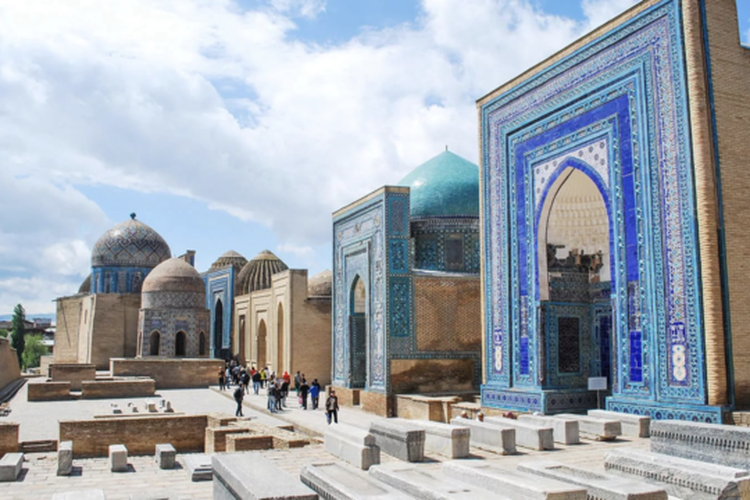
(445, 186)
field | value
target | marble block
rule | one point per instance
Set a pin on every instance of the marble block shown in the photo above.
(599, 486)
(118, 458)
(449, 440)
(198, 467)
(527, 435)
(10, 466)
(248, 476)
(399, 439)
(632, 425)
(352, 445)
(334, 481)
(165, 456)
(563, 431)
(65, 458)
(598, 429)
(489, 437)
(715, 443)
(512, 483)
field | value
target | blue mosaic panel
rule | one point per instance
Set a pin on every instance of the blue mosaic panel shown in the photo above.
(220, 287)
(400, 312)
(399, 256)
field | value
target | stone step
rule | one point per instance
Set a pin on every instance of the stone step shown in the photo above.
(399, 438)
(599, 486)
(527, 435)
(598, 429)
(44, 446)
(631, 425)
(353, 445)
(680, 477)
(429, 483)
(334, 481)
(513, 483)
(244, 476)
(715, 443)
(449, 440)
(564, 431)
(198, 467)
(489, 437)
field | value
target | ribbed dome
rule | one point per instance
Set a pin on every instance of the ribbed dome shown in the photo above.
(445, 186)
(320, 285)
(256, 275)
(230, 258)
(86, 285)
(173, 284)
(130, 244)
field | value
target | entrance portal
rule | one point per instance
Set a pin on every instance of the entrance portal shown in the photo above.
(358, 334)
(219, 330)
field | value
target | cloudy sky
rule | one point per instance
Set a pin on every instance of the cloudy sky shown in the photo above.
(237, 124)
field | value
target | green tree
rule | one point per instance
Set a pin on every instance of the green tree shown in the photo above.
(3, 333)
(33, 350)
(17, 340)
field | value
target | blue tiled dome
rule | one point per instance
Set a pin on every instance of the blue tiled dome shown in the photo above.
(445, 186)
(130, 244)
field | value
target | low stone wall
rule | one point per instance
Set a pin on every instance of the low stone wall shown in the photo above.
(109, 389)
(48, 391)
(182, 373)
(8, 438)
(91, 438)
(73, 373)
(9, 371)
(379, 404)
(437, 409)
(44, 364)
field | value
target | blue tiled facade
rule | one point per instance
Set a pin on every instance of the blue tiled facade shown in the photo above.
(621, 99)
(220, 292)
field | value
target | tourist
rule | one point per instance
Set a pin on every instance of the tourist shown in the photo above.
(271, 392)
(480, 416)
(278, 393)
(246, 381)
(263, 377)
(303, 390)
(238, 395)
(332, 407)
(297, 382)
(256, 382)
(287, 378)
(222, 385)
(315, 394)
(284, 391)
(229, 376)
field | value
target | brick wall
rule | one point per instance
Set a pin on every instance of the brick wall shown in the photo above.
(170, 373)
(9, 371)
(379, 404)
(8, 438)
(114, 328)
(448, 314)
(73, 373)
(48, 391)
(423, 408)
(66, 333)
(424, 376)
(106, 389)
(310, 332)
(91, 438)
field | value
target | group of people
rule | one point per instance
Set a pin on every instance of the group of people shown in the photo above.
(277, 388)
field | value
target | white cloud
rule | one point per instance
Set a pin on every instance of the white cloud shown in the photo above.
(201, 99)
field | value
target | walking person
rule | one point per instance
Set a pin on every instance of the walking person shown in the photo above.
(238, 396)
(222, 384)
(229, 377)
(297, 382)
(279, 394)
(303, 390)
(246, 381)
(271, 392)
(256, 382)
(315, 394)
(332, 408)
(284, 392)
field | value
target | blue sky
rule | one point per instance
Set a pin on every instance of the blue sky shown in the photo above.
(238, 124)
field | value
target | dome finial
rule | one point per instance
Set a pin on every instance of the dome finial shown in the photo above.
(132, 214)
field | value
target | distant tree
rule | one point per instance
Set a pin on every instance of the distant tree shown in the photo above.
(33, 350)
(3, 333)
(17, 340)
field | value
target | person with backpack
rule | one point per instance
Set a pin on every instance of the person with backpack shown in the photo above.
(315, 394)
(246, 381)
(238, 396)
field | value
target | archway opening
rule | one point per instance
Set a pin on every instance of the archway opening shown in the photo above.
(280, 366)
(180, 344)
(219, 329)
(242, 339)
(153, 343)
(202, 344)
(358, 333)
(262, 360)
(574, 281)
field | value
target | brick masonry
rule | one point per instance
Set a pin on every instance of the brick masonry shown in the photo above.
(48, 391)
(9, 371)
(181, 373)
(8, 438)
(73, 373)
(105, 389)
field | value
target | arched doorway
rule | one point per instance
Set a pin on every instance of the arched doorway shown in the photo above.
(261, 345)
(574, 278)
(242, 340)
(180, 344)
(153, 343)
(358, 333)
(202, 344)
(219, 330)
(280, 366)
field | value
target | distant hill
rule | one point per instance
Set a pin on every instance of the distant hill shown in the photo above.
(29, 316)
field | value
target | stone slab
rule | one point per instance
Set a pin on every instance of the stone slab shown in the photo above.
(334, 481)
(600, 486)
(564, 431)
(598, 429)
(631, 425)
(248, 476)
(680, 477)
(421, 482)
(489, 437)
(93, 494)
(515, 484)
(198, 467)
(353, 445)
(65, 458)
(718, 444)
(449, 440)
(165, 456)
(399, 438)
(158, 495)
(527, 435)
(10, 466)
(118, 458)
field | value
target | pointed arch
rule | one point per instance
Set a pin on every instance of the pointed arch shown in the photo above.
(261, 345)
(358, 333)
(180, 344)
(154, 343)
(202, 344)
